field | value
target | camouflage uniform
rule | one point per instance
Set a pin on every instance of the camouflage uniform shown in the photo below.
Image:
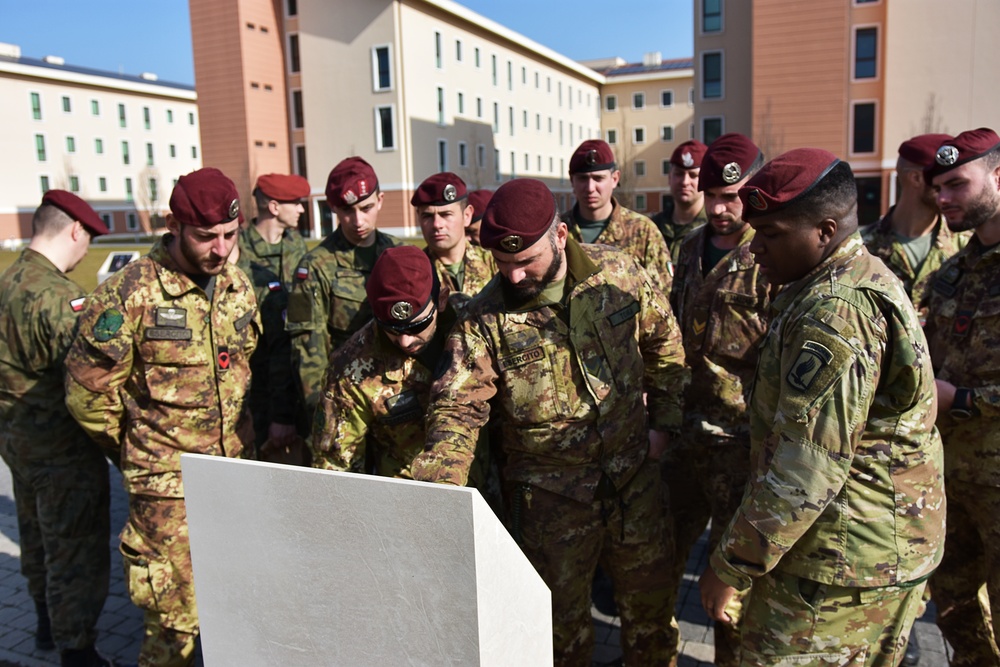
(157, 370)
(673, 233)
(270, 268)
(963, 330)
(882, 243)
(567, 380)
(843, 518)
(478, 268)
(722, 316)
(635, 234)
(60, 477)
(327, 305)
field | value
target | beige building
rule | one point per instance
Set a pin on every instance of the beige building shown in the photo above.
(118, 141)
(855, 77)
(647, 110)
(413, 86)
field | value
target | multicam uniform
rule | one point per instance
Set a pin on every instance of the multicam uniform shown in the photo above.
(635, 234)
(673, 233)
(722, 315)
(327, 305)
(882, 243)
(567, 379)
(963, 330)
(159, 369)
(60, 477)
(843, 518)
(478, 268)
(270, 268)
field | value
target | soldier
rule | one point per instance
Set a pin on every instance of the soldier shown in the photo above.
(563, 346)
(60, 477)
(160, 366)
(478, 199)
(685, 210)
(720, 300)
(328, 304)
(963, 329)
(597, 217)
(912, 238)
(843, 518)
(269, 250)
(444, 213)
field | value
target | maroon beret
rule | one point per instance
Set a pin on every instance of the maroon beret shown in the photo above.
(479, 199)
(728, 159)
(205, 198)
(400, 285)
(689, 154)
(592, 155)
(520, 213)
(282, 187)
(350, 182)
(784, 179)
(439, 190)
(966, 147)
(920, 150)
(76, 208)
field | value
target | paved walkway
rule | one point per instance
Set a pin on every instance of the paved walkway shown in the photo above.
(120, 625)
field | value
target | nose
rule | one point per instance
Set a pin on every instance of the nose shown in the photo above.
(516, 275)
(756, 247)
(405, 340)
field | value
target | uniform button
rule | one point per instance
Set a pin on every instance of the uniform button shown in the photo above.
(208, 318)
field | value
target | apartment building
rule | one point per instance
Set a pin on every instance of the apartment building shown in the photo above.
(119, 141)
(647, 110)
(855, 77)
(413, 86)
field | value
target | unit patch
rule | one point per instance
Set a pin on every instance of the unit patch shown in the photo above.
(812, 358)
(108, 324)
(171, 317)
(624, 315)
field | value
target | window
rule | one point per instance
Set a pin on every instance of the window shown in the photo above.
(479, 107)
(292, 7)
(560, 133)
(711, 75)
(194, 152)
(99, 146)
(496, 118)
(666, 133)
(536, 80)
(145, 117)
(442, 155)
(510, 75)
(74, 183)
(496, 164)
(510, 119)
(527, 162)
(131, 221)
(149, 154)
(866, 53)
(153, 195)
(513, 165)
(538, 122)
(524, 76)
(463, 154)
(691, 97)
(711, 15)
(108, 220)
(440, 106)
(665, 167)
(437, 51)
(381, 68)
(44, 182)
(666, 98)
(298, 117)
(863, 130)
(461, 103)
(40, 147)
(569, 95)
(638, 135)
(711, 129)
(481, 156)
(458, 50)
(638, 100)
(125, 154)
(102, 184)
(70, 144)
(493, 60)
(121, 115)
(612, 136)
(36, 106)
(300, 160)
(611, 102)
(190, 118)
(640, 202)
(385, 128)
(640, 168)
(560, 93)
(95, 108)
(128, 189)
(524, 118)
(294, 62)
(173, 150)
(477, 57)
(67, 106)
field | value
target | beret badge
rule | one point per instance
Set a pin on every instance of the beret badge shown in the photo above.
(946, 156)
(450, 192)
(592, 157)
(731, 173)
(687, 160)
(512, 243)
(757, 201)
(234, 208)
(401, 310)
(350, 197)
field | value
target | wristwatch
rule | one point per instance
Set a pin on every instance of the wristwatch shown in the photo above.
(962, 407)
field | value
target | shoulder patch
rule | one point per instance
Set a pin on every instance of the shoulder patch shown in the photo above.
(812, 358)
(77, 304)
(107, 325)
(275, 286)
(302, 273)
(625, 314)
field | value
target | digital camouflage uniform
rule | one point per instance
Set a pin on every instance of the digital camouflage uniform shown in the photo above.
(60, 477)
(327, 305)
(963, 330)
(636, 235)
(673, 233)
(722, 316)
(270, 268)
(568, 380)
(843, 517)
(882, 243)
(158, 370)
(478, 268)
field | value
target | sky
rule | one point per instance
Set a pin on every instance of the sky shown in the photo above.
(135, 36)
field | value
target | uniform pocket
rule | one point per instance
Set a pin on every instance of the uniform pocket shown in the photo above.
(147, 576)
(178, 372)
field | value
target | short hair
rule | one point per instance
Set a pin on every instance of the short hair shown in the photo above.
(261, 200)
(49, 220)
(991, 160)
(835, 197)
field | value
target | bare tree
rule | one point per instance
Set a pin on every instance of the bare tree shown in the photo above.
(932, 122)
(768, 137)
(147, 198)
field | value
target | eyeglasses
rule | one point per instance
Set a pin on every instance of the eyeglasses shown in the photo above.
(413, 328)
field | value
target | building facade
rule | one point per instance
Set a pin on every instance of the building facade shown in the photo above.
(118, 141)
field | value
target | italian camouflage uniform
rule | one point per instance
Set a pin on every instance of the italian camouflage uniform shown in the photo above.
(327, 305)
(673, 233)
(60, 477)
(478, 268)
(843, 518)
(567, 379)
(635, 234)
(882, 243)
(159, 369)
(270, 268)
(722, 315)
(963, 329)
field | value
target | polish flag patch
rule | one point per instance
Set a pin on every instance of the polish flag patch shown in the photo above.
(77, 304)
(302, 273)
(275, 286)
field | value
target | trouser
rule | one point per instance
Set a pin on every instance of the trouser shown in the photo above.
(156, 556)
(971, 559)
(788, 620)
(64, 523)
(565, 540)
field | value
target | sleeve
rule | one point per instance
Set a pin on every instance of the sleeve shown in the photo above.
(280, 376)
(308, 313)
(658, 263)
(341, 422)
(823, 388)
(665, 375)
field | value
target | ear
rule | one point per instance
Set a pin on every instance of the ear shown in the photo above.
(827, 231)
(562, 233)
(467, 215)
(272, 208)
(173, 226)
(616, 177)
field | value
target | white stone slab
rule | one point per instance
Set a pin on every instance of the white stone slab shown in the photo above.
(294, 566)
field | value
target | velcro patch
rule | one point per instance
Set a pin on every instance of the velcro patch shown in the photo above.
(167, 333)
(624, 315)
(274, 286)
(963, 321)
(302, 273)
(223, 358)
(811, 360)
(171, 317)
(243, 321)
(77, 304)
(512, 361)
(107, 325)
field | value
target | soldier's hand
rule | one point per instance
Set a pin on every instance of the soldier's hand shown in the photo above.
(658, 442)
(282, 435)
(715, 595)
(945, 395)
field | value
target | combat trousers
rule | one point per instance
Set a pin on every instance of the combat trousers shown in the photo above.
(63, 515)
(705, 478)
(156, 555)
(565, 540)
(788, 620)
(971, 559)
